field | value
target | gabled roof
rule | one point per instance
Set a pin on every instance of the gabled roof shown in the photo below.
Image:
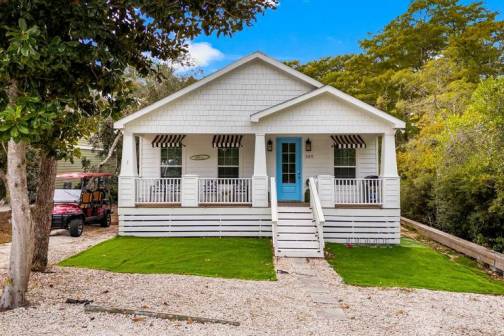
(252, 57)
(255, 117)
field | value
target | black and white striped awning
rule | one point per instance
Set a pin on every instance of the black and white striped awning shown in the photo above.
(348, 141)
(168, 140)
(227, 140)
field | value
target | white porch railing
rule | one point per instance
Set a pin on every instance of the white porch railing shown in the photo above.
(225, 190)
(318, 214)
(358, 191)
(157, 190)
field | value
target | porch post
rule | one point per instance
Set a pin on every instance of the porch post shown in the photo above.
(388, 162)
(325, 186)
(126, 188)
(391, 181)
(189, 191)
(260, 177)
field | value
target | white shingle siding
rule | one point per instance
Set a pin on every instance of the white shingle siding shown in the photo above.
(367, 158)
(225, 103)
(323, 114)
(225, 106)
(150, 158)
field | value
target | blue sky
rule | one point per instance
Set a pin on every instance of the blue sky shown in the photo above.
(306, 30)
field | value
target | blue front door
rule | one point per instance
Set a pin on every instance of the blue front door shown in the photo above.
(288, 169)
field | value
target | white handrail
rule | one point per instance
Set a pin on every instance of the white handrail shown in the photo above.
(157, 190)
(358, 191)
(274, 210)
(225, 190)
(318, 214)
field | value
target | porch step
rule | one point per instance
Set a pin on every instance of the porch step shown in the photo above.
(296, 229)
(293, 253)
(297, 234)
(294, 222)
(294, 209)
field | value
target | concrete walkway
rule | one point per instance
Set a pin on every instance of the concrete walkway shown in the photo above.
(311, 274)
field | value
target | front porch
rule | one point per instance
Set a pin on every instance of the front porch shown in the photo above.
(231, 170)
(188, 185)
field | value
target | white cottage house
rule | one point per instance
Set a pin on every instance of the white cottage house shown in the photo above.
(260, 149)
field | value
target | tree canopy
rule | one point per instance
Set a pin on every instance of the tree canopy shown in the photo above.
(438, 67)
(70, 62)
(62, 69)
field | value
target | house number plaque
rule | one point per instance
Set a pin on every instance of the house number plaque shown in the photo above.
(200, 157)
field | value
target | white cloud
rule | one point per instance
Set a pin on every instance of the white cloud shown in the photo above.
(202, 54)
(199, 55)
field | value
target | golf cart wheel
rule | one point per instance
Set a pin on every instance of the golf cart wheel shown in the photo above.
(75, 227)
(106, 220)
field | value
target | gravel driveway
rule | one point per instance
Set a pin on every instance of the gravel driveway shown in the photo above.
(301, 302)
(62, 246)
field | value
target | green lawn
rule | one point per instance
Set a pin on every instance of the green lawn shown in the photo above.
(241, 258)
(411, 264)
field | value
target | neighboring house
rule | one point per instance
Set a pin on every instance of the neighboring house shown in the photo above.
(93, 155)
(231, 154)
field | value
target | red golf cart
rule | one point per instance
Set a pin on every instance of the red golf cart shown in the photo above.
(84, 199)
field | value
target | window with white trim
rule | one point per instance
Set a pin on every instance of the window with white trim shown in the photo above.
(344, 162)
(228, 162)
(171, 162)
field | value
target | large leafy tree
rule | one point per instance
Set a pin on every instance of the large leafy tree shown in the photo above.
(63, 62)
(469, 36)
(424, 67)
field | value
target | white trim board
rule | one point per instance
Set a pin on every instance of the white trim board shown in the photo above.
(256, 117)
(252, 57)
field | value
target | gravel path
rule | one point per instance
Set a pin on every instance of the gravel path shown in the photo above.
(62, 246)
(308, 299)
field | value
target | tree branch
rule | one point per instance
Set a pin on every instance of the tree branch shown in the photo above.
(3, 144)
(111, 149)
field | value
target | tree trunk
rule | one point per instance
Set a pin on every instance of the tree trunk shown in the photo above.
(41, 212)
(16, 284)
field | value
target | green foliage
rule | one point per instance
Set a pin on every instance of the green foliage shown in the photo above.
(434, 67)
(63, 64)
(69, 64)
(410, 265)
(239, 258)
(464, 40)
(470, 175)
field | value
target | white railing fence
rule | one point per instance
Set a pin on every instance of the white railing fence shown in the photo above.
(274, 210)
(157, 190)
(225, 190)
(318, 214)
(358, 191)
